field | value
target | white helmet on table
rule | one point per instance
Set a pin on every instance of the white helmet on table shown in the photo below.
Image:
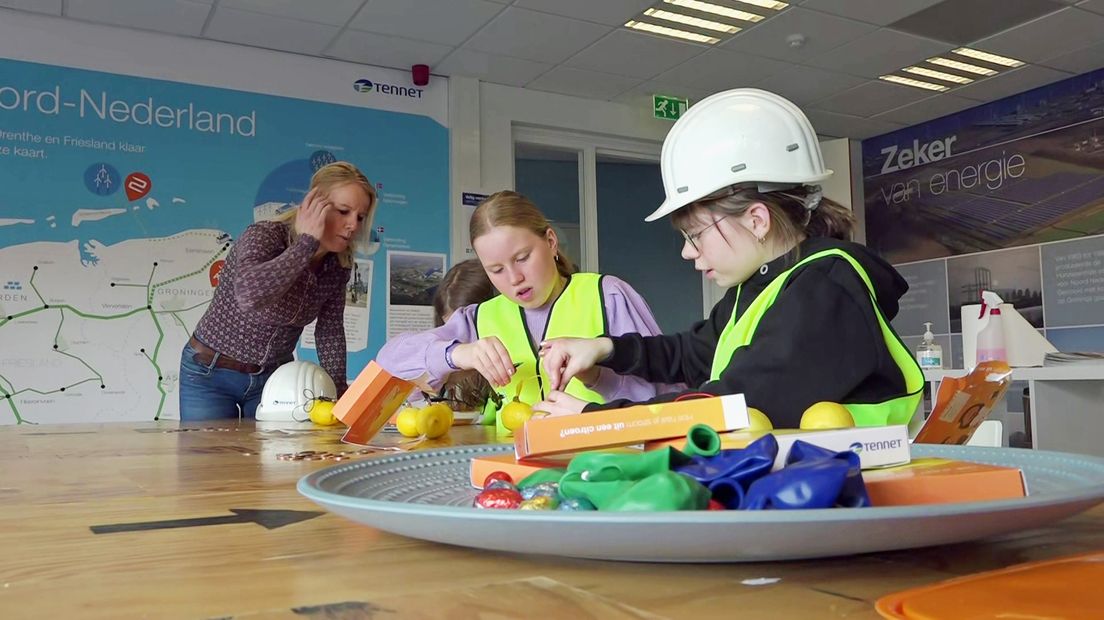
(290, 390)
(742, 135)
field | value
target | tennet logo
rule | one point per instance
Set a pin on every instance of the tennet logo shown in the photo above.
(367, 86)
(856, 447)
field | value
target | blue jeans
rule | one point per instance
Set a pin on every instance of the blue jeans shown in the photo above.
(211, 393)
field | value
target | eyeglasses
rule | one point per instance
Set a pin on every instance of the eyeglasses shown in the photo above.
(692, 238)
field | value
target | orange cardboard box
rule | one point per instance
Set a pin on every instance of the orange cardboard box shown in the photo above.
(962, 404)
(369, 402)
(481, 466)
(943, 481)
(628, 425)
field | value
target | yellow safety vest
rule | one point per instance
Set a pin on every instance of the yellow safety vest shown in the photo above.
(739, 332)
(578, 312)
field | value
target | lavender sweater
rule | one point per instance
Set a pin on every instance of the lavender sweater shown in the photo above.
(412, 355)
(268, 292)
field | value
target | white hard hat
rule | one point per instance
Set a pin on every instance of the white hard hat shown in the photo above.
(291, 388)
(738, 136)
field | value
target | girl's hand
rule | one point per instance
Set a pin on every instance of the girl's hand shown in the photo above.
(560, 403)
(488, 356)
(565, 358)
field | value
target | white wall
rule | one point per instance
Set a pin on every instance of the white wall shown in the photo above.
(68, 43)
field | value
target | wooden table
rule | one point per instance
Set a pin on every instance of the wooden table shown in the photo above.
(194, 558)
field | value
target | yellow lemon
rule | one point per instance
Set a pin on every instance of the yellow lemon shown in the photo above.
(321, 413)
(434, 421)
(515, 414)
(759, 420)
(407, 422)
(826, 415)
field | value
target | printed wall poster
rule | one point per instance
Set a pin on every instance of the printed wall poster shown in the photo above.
(413, 278)
(121, 196)
(1023, 170)
(358, 298)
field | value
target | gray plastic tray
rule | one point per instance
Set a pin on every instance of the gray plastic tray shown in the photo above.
(427, 495)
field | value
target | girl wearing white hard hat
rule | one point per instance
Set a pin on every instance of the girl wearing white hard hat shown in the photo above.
(806, 315)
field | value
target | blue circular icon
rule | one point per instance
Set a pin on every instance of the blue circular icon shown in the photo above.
(363, 86)
(101, 179)
(856, 447)
(321, 158)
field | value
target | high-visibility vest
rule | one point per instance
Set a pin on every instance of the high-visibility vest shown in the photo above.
(578, 312)
(740, 331)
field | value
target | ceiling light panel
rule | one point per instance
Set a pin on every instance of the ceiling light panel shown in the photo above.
(1003, 61)
(898, 79)
(697, 22)
(962, 66)
(671, 32)
(716, 9)
(938, 75)
(702, 21)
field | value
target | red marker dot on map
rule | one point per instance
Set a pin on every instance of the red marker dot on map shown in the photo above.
(137, 185)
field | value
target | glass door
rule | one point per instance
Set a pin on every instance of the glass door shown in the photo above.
(647, 255)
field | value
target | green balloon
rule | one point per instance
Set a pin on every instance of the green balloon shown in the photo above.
(661, 492)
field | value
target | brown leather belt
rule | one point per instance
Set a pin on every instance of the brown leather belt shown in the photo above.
(204, 354)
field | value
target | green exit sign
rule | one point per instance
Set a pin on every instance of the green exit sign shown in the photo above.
(670, 108)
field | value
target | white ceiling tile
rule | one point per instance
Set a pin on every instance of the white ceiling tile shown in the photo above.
(333, 12)
(804, 85)
(1096, 6)
(447, 22)
(928, 109)
(583, 83)
(610, 12)
(878, 53)
(174, 16)
(637, 55)
(52, 7)
(386, 51)
(822, 32)
(843, 126)
(535, 36)
(721, 69)
(491, 67)
(873, 97)
(1083, 60)
(1013, 82)
(879, 12)
(269, 31)
(1049, 36)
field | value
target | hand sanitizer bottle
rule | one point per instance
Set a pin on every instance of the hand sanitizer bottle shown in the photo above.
(929, 354)
(990, 340)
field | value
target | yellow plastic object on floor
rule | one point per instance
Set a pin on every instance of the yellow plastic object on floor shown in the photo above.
(1067, 588)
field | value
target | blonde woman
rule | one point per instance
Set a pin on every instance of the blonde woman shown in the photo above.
(280, 275)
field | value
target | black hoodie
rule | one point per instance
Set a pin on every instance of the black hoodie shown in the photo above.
(819, 341)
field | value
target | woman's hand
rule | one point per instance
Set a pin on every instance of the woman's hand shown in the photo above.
(565, 358)
(488, 356)
(311, 217)
(560, 403)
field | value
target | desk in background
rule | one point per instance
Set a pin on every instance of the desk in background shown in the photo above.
(1066, 405)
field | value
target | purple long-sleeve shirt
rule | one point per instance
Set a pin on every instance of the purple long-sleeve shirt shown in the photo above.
(268, 292)
(413, 355)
